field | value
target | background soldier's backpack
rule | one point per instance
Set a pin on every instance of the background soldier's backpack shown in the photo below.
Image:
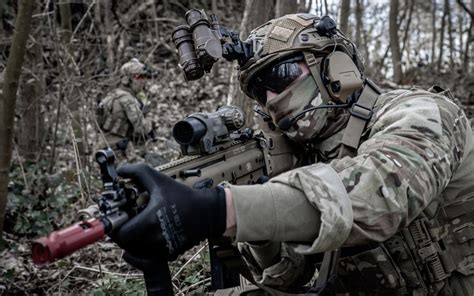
(104, 109)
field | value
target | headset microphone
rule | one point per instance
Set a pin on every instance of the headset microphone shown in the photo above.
(285, 123)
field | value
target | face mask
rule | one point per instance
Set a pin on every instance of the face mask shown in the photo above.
(303, 93)
(137, 85)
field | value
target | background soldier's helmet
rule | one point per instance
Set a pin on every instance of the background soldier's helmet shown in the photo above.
(132, 68)
(330, 51)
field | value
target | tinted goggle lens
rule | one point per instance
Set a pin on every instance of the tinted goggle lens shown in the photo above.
(275, 79)
(139, 76)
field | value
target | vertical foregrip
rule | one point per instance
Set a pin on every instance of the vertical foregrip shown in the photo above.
(158, 279)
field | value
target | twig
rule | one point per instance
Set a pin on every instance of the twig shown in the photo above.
(82, 20)
(42, 14)
(85, 280)
(78, 160)
(61, 280)
(52, 25)
(195, 285)
(466, 9)
(177, 289)
(132, 275)
(189, 261)
(20, 161)
(101, 274)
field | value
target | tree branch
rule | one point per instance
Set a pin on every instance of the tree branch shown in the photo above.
(471, 14)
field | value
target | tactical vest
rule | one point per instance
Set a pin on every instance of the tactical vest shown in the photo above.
(420, 259)
(110, 119)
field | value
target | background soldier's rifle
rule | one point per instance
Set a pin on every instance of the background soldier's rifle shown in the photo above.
(215, 149)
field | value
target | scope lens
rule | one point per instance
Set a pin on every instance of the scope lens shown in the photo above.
(193, 71)
(189, 131)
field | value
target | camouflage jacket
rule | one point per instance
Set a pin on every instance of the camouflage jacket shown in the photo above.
(123, 117)
(416, 151)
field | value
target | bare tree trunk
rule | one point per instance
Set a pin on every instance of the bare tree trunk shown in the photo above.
(255, 14)
(109, 39)
(31, 122)
(66, 26)
(394, 42)
(407, 29)
(215, 70)
(441, 37)
(319, 5)
(154, 14)
(97, 13)
(358, 32)
(8, 96)
(450, 33)
(2, 3)
(460, 28)
(433, 41)
(344, 16)
(68, 62)
(304, 6)
(470, 39)
(284, 7)
(470, 34)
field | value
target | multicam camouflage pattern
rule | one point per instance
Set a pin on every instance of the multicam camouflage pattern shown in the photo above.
(286, 271)
(416, 152)
(123, 117)
(301, 95)
(133, 67)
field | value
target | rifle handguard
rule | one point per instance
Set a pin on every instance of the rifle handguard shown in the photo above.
(64, 242)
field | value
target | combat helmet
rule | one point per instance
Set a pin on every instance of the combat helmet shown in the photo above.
(333, 59)
(133, 68)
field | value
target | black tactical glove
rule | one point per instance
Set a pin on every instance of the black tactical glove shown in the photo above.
(175, 219)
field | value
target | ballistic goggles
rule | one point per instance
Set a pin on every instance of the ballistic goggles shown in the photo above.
(275, 78)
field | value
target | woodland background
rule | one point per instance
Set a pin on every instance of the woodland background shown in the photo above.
(59, 58)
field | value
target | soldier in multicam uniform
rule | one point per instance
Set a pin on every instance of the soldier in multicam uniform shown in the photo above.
(121, 112)
(388, 192)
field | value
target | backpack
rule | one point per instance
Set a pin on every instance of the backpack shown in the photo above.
(105, 107)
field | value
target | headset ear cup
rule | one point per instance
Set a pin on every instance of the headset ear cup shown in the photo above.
(324, 72)
(344, 77)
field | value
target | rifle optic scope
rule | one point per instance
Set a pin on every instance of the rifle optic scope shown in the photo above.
(203, 130)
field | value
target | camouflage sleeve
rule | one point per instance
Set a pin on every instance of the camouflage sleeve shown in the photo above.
(416, 143)
(141, 126)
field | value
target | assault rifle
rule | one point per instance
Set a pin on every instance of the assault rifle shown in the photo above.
(215, 148)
